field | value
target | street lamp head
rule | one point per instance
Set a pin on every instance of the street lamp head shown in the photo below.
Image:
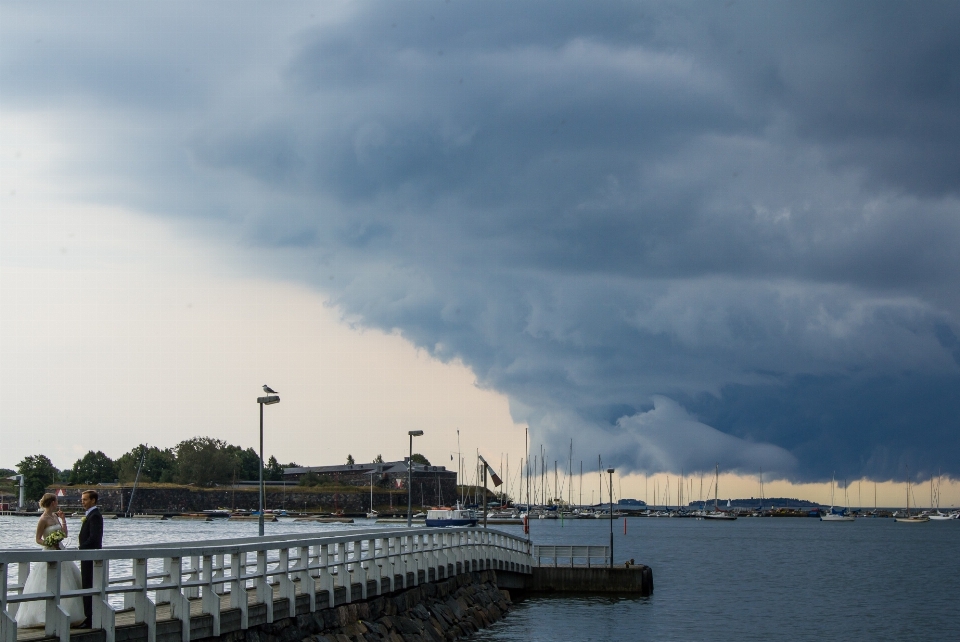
(610, 470)
(415, 433)
(269, 399)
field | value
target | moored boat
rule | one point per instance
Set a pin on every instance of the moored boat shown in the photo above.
(716, 514)
(446, 516)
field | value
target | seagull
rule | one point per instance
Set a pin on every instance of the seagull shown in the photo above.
(270, 391)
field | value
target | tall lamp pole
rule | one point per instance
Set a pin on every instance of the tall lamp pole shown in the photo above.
(610, 472)
(263, 401)
(412, 433)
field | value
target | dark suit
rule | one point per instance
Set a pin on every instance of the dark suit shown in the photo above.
(91, 537)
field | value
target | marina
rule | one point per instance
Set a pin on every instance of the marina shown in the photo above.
(746, 569)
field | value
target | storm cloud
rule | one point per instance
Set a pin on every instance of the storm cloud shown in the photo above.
(677, 233)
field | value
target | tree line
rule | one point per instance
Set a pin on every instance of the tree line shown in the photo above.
(201, 461)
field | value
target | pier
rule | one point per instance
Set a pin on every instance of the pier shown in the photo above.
(209, 589)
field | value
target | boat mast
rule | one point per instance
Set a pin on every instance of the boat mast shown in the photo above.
(908, 491)
(716, 490)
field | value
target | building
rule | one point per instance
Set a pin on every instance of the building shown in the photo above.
(432, 485)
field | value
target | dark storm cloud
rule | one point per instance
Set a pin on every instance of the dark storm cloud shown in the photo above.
(676, 232)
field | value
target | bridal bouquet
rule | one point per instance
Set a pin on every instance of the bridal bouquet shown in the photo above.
(53, 539)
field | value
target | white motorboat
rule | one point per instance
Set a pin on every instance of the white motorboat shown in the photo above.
(445, 516)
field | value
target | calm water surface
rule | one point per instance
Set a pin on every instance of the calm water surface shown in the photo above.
(752, 579)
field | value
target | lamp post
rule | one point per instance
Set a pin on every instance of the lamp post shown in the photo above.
(263, 401)
(610, 472)
(412, 433)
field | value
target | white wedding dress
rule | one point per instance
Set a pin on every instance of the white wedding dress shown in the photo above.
(33, 614)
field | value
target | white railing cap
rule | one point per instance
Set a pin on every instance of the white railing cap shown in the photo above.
(230, 546)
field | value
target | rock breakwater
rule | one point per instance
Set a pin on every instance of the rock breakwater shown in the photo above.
(432, 612)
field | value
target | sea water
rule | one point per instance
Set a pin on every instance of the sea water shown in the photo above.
(752, 579)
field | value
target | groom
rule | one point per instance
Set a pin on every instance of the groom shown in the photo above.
(91, 537)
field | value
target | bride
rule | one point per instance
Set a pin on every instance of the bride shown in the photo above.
(33, 614)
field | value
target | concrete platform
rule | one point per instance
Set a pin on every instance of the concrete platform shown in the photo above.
(636, 580)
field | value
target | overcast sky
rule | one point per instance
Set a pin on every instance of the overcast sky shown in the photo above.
(678, 233)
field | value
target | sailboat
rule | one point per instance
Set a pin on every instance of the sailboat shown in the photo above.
(716, 513)
(835, 515)
(938, 516)
(372, 513)
(911, 519)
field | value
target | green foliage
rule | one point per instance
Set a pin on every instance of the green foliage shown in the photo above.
(205, 461)
(378, 459)
(310, 479)
(417, 458)
(247, 462)
(350, 461)
(38, 472)
(6, 472)
(273, 471)
(158, 465)
(93, 468)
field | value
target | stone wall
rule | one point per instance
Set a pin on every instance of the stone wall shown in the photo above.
(185, 499)
(434, 612)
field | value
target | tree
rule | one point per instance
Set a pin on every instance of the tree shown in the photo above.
(38, 472)
(247, 463)
(93, 468)
(158, 465)
(273, 471)
(378, 459)
(350, 461)
(417, 458)
(205, 461)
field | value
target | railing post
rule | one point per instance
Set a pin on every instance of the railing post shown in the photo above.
(179, 604)
(219, 573)
(210, 600)
(57, 620)
(390, 561)
(145, 611)
(287, 589)
(326, 578)
(193, 592)
(104, 616)
(372, 563)
(358, 568)
(264, 590)
(238, 587)
(8, 625)
(343, 575)
(306, 580)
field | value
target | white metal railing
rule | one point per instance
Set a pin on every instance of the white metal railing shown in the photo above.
(250, 571)
(589, 554)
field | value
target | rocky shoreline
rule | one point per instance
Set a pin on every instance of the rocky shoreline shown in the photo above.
(432, 612)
